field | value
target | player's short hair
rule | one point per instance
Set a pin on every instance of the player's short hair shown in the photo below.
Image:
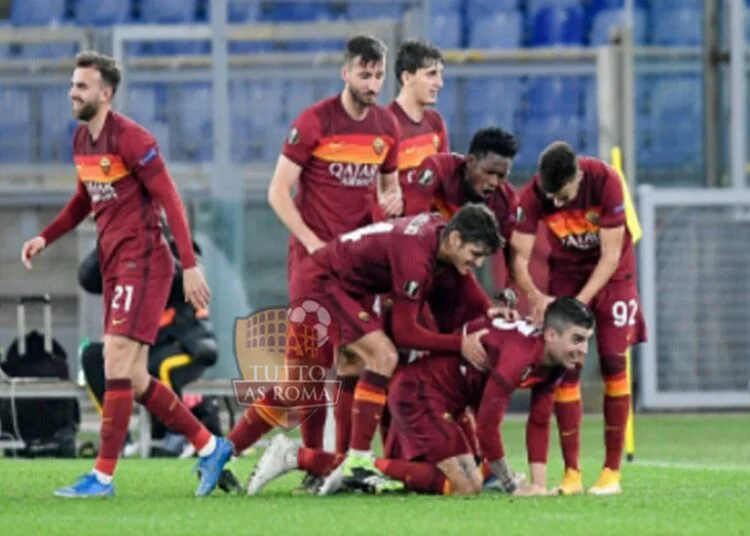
(106, 65)
(558, 165)
(566, 311)
(415, 54)
(493, 140)
(366, 48)
(476, 224)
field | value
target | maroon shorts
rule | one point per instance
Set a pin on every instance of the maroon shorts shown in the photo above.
(133, 305)
(617, 307)
(340, 317)
(421, 425)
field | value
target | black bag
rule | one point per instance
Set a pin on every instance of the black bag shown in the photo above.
(47, 426)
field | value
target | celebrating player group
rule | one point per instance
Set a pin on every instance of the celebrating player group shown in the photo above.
(386, 230)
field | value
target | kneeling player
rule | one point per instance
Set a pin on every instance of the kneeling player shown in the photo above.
(428, 396)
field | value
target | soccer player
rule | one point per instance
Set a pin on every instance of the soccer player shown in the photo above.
(580, 200)
(122, 178)
(428, 396)
(343, 276)
(335, 151)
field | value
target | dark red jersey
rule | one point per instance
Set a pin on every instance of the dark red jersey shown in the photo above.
(574, 228)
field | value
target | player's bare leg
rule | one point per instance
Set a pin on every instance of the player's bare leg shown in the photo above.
(380, 358)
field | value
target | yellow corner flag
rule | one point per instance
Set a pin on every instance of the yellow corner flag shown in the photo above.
(634, 227)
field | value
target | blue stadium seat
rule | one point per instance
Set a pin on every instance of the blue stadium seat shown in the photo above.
(606, 20)
(445, 29)
(535, 132)
(359, 10)
(315, 45)
(445, 6)
(492, 101)
(477, 9)
(48, 50)
(558, 26)
(447, 102)
(98, 13)
(296, 11)
(56, 135)
(298, 95)
(601, 5)
(501, 30)
(168, 11)
(15, 135)
(143, 103)
(37, 12)
(677, 27)
(195, 141)
(676, 121)
(241, 10)
(561, 94)
(534, 6)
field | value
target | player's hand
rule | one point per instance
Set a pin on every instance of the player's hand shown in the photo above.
(315, 245)
(539, 303)
(472, 349)
(31, 249)
(506, 313)
(532, 490)
(392, 203)
(196, 289)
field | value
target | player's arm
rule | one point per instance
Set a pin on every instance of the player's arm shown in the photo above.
(72, 214)
(489, 418)
(522, 245)
(611, 236)
(284, 180)
(388, 189)
(537, 432)
(425, 186)
(140, 152)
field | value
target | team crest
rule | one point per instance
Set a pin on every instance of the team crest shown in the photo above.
(105, 164)
(378, 145)
(411, 288)
(593, 217)
(293, 136)
(426, 177)
(266, 342)
(436, 141)
(364, 316)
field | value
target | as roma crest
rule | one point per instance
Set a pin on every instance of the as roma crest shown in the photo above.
(378, 145)
(436, 141)
(593, 217)
(105, 164)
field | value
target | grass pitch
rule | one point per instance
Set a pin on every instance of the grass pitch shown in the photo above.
(691, 476)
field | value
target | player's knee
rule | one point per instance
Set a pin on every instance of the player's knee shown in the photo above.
(465, 486)
(387, 360)
(611, 364)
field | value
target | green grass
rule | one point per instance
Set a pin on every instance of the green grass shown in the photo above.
(697, 482)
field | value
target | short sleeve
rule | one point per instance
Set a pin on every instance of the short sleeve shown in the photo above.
(303, 137)
(528, 210)
(508, 223)
(140, 153)
(390, 163)
(613, 201)
(425, 185)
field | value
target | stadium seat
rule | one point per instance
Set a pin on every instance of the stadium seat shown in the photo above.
(477, 9)
(98, 13)
(298, 95)
(492, 93)
(445, 29)
(56, 136)
(605, 21)
(601, 5)
(48, 50)
(499, 31)
(535, 132)
(295, 11)
(676, 121)
(15, 135)
(558, 26)
(37, 12)
(534, 6)
(677, 27)
(359, 10)
(560, 94)
(168, 11)
(241, 11)
(142, 102)
(194, 140)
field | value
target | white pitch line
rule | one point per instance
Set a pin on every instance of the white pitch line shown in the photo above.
(691, 466)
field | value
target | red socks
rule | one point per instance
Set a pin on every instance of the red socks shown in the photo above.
(118, 405)
(369, 399)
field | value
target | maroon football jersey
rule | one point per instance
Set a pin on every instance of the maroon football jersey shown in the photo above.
(419, 139)
(441, 183)
(574, 228)
(113, 168)
(397, 256)
(340, 159)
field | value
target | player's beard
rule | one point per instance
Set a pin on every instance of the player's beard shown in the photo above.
(87, 111)
(361, 98)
